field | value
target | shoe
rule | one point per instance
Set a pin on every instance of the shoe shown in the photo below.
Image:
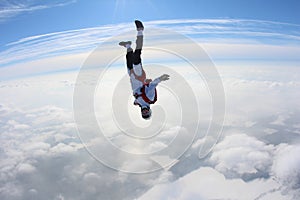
(124, 43)
(139, 25)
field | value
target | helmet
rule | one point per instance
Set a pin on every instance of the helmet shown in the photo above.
(146, 112)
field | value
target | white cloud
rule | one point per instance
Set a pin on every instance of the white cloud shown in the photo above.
(11, 9)
(251, 96)
(249, 124)
(155, 146)
(165, 177)
(28, 54)
(48, 161)
(270, 131)
(137, 165)
(25, 168)
(280, 120)
(51, 64)
(15, 125)
(286, 168)
(50, 142)
(50, 145)
(240, 155)
(92, 182)
(229, 26)
(198, 143)
(207, 183)
(26, 145)
(61, 149)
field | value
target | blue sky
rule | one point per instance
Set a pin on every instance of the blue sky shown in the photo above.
(19, 19)
(34, 30)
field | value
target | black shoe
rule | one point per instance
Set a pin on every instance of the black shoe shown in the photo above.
(124, 43)
(139, 25)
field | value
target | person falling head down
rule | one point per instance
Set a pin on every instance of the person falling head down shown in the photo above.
(144, 90)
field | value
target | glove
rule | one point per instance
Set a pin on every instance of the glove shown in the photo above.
(164, 77)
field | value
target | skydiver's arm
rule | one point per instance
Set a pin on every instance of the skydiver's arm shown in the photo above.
(164, 77)
(156, 81)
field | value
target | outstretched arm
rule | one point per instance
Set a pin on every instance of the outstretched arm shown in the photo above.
(156, 81)
(164, 77)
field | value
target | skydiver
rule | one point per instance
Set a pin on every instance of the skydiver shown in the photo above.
(144, 90)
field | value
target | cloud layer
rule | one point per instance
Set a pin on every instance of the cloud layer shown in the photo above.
(241, 39)
(40, 148)
(242, 156)
(207, 183)
(257, 156)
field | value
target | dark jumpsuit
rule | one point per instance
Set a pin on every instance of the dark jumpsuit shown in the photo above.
(134, 58)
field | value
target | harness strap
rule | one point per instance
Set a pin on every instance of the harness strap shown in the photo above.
(144, 96)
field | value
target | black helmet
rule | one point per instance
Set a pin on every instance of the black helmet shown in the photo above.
(146, 112)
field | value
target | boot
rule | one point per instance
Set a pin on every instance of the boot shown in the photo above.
(139, 25)
(125, 43)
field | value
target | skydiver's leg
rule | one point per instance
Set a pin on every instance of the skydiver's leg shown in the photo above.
(134, 58)
(138, 50)
(129, 55)
(139, 42)
(129, 58)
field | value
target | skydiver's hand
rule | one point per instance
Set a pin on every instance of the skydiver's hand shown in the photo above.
(148, 80)
(164, 77)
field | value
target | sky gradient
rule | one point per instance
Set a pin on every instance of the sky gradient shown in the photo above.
(254, 47)
(20, 19)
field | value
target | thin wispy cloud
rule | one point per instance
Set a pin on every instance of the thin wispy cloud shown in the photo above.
(83, 40)
(234, 27)
(10, 9)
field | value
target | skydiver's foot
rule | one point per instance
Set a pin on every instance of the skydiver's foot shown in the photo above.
(125, 44)
(139, 25)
